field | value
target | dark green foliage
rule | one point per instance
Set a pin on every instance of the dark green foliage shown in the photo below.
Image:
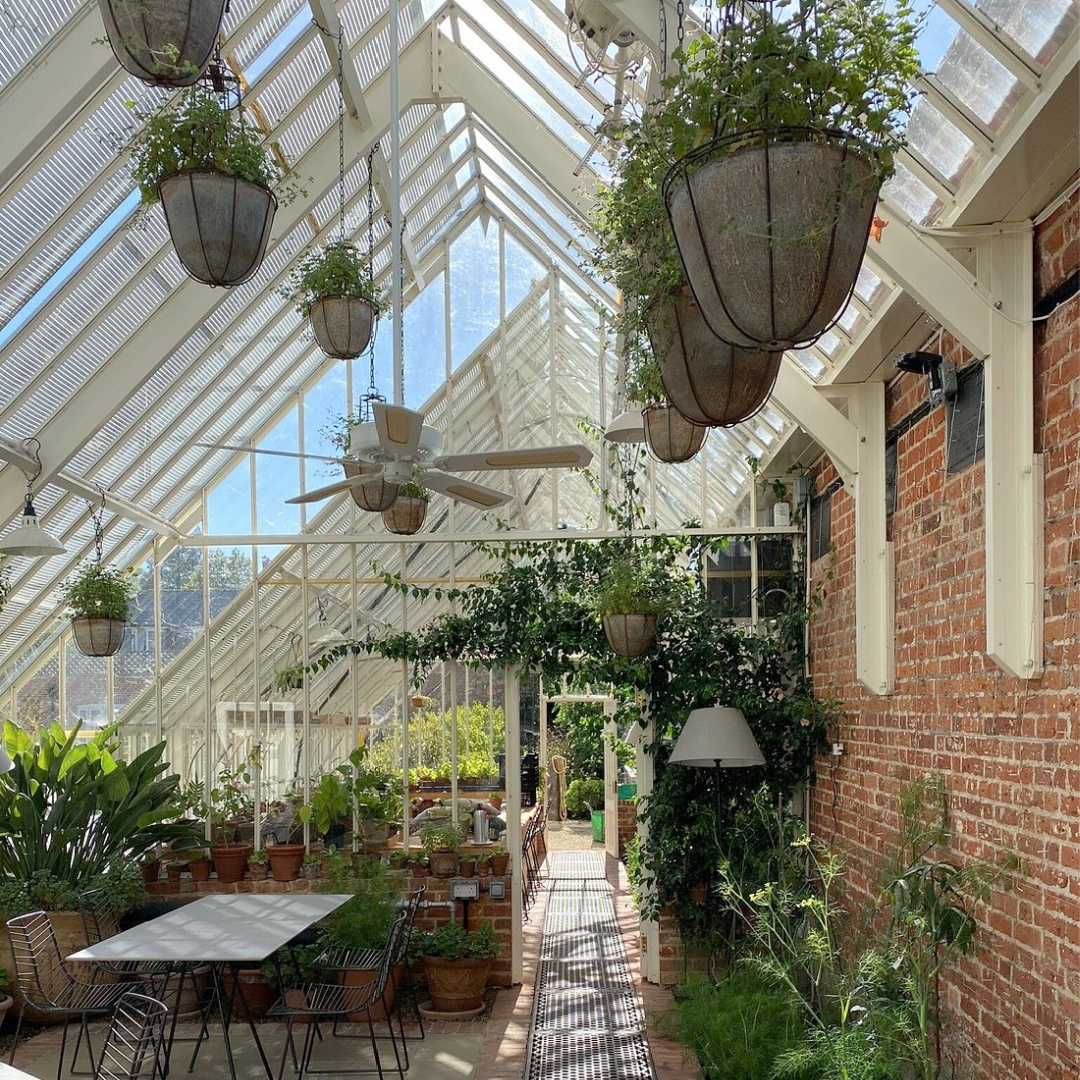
(452, 941)
(363, 922)
(101, 592)
(737, 1027)
(583, 794)
(336, 270)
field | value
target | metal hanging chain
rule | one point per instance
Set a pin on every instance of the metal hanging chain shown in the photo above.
(680, 30)
(708, 17)
(663, 42)
(372, 394)
(96, 515)
(341, 127)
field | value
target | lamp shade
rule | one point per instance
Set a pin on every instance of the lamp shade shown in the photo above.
(717, 736)
(6, 764)
(30, 538)
(627, 427)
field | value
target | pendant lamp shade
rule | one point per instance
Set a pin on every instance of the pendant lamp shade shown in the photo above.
(627, 427)
(30, 538)
(718, 736)
(6, 764)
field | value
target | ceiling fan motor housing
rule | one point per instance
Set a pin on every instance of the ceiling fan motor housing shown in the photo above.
(364, 444)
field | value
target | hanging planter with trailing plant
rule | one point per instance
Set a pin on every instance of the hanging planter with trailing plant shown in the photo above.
(629, 598)
(213, 177)
(709, 382)
(669, 435)
(407, 514)
(165, 42)
(784, 127)
(378, 494)
(100, 598)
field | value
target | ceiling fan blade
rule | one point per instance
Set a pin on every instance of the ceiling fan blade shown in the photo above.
(271, 453)
(399, 428)
(318, 494)
(465, 490)
(569, 455)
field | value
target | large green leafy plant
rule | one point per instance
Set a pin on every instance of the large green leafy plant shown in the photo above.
(336, 270)
(75, 816)
(452, 941)
(199, 132)
(101, 592)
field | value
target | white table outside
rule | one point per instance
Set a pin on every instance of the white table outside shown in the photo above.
(233, 929)
(9, 1072)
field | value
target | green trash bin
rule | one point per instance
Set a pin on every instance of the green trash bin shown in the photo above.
(598, 826)
(627, 792)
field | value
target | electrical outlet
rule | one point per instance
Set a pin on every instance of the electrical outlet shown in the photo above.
(838, 749)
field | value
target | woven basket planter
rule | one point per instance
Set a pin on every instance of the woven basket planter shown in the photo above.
(709, 381)
(456, 986)
(406, 516)
(771, 232)
(342, 325)
(375, 497)
(142, 34)
(670, 436)
(629, 634)
(219, 224)
(97, 637)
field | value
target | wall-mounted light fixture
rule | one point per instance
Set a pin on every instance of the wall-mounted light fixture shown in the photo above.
(940, 373)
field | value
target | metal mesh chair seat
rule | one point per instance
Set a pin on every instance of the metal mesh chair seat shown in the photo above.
(324, 1001)
(136, 1038)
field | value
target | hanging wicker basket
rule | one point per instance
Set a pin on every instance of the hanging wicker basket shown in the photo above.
(375, 497)
(219, 224)
(342, 325)
(406, 516)
(709, 381)
(629, 634)
(166, 42)
(670, 436)
(771, 228)
(98, 637)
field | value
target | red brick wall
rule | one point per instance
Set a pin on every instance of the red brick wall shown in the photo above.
(1009, 751)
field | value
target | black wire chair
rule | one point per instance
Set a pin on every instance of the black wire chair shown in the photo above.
(318, 1002)
(136, 1039)
(48, 987)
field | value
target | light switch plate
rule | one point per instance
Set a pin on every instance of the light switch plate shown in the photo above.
(497, 890)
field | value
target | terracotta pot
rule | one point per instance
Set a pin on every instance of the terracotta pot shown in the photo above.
(97, 637)
(443, 863)
(709, 381)
(150, 870)
(456, 986)
(286, 860)
(172, 873)
(406, 516)
(500, 864)
(630, 634)
(342, 325)
(796, 217)
(671, 438)
(361, 977)
(219, 224)
(467, 869)
(230, 861)
(375, 497)
(142, 35)
(254, 995)
(200, 869)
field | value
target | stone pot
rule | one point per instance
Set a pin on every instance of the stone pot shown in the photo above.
(771, 229)
(375, 497)
(456, 986)
(629, 634)
(97, 637)
(406, 516)
(258, 871)
(709, 381)
(140, 33)
(286, 860)
(219, 224)
(443, 863)
(230, 861)
(671, 438)
(342, 325)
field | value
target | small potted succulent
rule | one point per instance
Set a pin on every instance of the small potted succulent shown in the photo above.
(101, 599)
(407, 514)
(212, 175)
(457, 963)
(336, 293)
(500, 861)
(467, 865)
(440, 841)
(630, 595)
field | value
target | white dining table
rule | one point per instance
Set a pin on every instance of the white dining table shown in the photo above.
(233, 929)
(9, 1072)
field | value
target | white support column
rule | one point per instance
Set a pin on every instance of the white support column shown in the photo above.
(1014, 501)
(512, 707)
(646, 777)
(874, 629)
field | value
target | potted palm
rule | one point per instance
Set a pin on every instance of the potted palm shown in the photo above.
(165, 42)
(100, 598)
(630, 596)
(336, 293)
(457, 963)
(213, 178)
(783, 128)
(407, 514)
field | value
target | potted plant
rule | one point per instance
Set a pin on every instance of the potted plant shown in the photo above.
(336, 293)
(286, 860)
(100, 598)
(629, 596)
(311, 867)
(379, 493)
(670, 436)
(418, 863)
(230, 805)
(259, 865)
(457, 963)
(467, 865)
(165, 42)
(500, 861)
(783, 128)
(213, 177)
(199, 865)
(173, 869)
(440, 841)
(407, 514)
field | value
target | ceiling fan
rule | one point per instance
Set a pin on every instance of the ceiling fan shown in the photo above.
(398, 440)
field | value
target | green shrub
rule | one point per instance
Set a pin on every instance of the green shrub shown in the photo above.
(738, 1027)
(452, 941)
(581, 794)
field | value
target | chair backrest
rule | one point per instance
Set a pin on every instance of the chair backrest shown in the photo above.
(100, 921)
(393, 945)
(39, 968)
(410, 909)
(136, 1039)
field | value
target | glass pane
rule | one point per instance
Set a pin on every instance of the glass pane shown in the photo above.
(425, 341)
(37, 703)
(944, 146)
(474, 289)
(277, 479)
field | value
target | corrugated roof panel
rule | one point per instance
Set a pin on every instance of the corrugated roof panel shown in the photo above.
(27, 25)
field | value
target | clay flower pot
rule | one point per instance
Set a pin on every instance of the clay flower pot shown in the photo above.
(286, 861)
(230, 861)
(456, 986)
(500, 863)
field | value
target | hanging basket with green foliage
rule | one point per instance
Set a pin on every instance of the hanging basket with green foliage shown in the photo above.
(165, 42)
(670, 436)
(378, 494)
(100, 598)
(409, 510)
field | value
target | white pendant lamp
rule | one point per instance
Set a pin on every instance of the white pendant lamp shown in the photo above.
(717, 737)
(30, 538)
(627, 427)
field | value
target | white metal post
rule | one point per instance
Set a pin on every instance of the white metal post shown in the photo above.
(511, 697)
